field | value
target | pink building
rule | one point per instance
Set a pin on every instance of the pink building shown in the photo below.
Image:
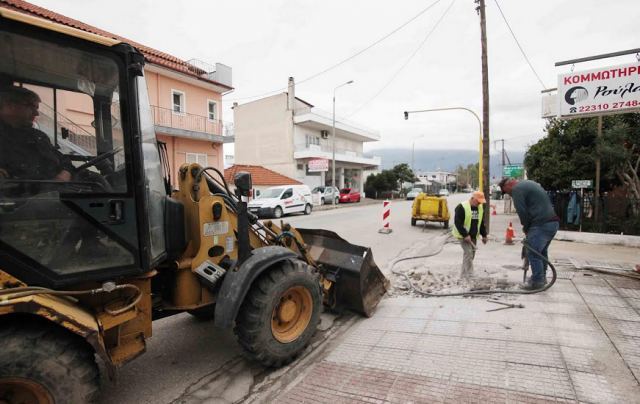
(185, 97)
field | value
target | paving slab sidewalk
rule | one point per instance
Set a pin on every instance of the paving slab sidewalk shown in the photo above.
(577, 342)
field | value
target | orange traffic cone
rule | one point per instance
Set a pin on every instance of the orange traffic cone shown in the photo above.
(493, 211)
(509, 235)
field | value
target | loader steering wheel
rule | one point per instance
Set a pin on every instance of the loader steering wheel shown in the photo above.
(98, 159)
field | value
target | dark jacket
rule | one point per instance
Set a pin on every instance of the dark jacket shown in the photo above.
(532, 204)
(28, 154)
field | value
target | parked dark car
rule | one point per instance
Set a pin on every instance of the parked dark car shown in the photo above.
(349, 195)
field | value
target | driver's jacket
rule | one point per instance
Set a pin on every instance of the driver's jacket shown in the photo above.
(28, 154)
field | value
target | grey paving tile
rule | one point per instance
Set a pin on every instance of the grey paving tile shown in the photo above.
(430, 364)
(617, 313)
(593, 388)
(394, 324)
(361, 335)
(482, 349)
(618, 282)
(417, 312)
(583, 339)
(443, 327)
(604, 300)
(399, 340)
(613, 326)
(587, 360)
(534, 354)
(627, 345)
(387, 359)
(596, 290)
(573, 322)
(479, 372)
(442, 344)
(633, 293)
(540, 380)
(408, 388)
(635, 303)
(349, 354)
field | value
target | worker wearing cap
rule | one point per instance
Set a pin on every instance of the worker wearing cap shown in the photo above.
(468, 224)
(540, 224)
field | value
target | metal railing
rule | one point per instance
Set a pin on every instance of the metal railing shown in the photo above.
(617, 214)
(186, 121)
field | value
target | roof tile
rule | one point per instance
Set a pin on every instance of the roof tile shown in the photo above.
(151, 55)
(259, 175)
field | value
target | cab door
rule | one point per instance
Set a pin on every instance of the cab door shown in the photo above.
(67, 202)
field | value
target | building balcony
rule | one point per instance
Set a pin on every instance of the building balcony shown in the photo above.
(315, 118)
(190, 126)
(343, 156)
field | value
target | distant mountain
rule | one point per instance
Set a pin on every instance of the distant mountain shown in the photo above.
(443, 159)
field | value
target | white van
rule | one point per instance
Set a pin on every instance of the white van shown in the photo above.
(282, 200)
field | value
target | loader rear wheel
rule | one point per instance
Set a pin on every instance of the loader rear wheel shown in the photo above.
(280, 314)
(43, 365)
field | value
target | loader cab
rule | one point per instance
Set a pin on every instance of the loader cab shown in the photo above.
(81, 186)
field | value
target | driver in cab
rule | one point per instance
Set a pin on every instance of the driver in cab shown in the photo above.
(25, 152)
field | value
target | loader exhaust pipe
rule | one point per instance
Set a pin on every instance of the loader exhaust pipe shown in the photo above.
(242, 181)
(359, 285)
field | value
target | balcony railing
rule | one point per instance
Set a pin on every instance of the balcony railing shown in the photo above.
(185, 121)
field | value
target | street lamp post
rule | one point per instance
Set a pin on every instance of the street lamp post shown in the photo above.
(480, 158)
(413, 150)
(333, 136)
(480, 165)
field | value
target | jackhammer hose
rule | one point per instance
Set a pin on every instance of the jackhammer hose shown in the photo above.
(477, 292)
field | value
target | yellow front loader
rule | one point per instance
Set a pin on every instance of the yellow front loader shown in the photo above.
(87, 264)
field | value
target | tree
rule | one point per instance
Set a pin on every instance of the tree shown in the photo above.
(384, 181)
(467, 176)
(570, 149)
(404, 174)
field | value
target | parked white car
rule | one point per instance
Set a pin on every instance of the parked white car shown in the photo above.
(443, 192)
(282, 200)
(327, 194)
(413, 194)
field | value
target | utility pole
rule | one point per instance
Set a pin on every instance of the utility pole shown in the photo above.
(485, 109)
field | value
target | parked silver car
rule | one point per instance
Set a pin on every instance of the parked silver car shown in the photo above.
(327, 194)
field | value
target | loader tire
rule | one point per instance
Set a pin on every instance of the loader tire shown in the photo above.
(40, 364)
(203, 313)
(280, 314)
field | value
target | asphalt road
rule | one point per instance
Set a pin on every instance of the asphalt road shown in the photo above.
(192, 361)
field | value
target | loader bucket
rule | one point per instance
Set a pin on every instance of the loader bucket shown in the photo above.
(358, 283)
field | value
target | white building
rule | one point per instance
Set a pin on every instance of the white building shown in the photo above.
(435, 180)
(283, 133)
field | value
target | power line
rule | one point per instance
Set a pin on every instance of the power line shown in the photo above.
(313, 76)
(405, 63)
(519, 46)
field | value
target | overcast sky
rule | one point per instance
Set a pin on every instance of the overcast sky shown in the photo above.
(265, 42)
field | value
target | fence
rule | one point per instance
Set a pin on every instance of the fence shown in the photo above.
(619, 215)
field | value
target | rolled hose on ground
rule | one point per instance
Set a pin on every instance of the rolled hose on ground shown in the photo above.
(477, 292)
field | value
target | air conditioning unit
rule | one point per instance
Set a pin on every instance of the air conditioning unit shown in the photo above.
(324, 134)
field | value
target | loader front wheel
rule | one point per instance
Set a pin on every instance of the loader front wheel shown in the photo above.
(280, 314)
(43, 365)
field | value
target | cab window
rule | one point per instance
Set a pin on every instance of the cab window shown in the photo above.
(63, 157)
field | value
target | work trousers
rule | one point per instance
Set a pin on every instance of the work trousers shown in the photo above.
(468, 254)
(539, 238)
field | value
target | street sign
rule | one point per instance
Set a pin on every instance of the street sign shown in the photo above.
(579, 184)
(613, 89)
(318, 165)
(513, 171)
